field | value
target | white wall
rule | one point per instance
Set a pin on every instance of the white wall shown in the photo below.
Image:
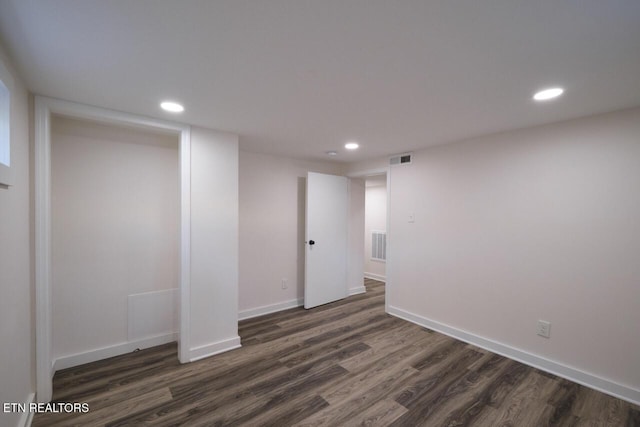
(17, 362)
(214, 242)
(115, 233)
(355, 262)
(272, 203)
(534, 224)
(375, 219)
(366, 167)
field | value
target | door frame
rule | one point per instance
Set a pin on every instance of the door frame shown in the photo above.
(44, 108)
(373, 172)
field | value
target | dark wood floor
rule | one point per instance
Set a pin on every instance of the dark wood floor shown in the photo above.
(342, 364)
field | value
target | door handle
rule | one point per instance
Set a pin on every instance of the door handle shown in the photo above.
(312, 242)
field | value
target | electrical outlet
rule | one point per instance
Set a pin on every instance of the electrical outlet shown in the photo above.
(284, 283)
(544, 328)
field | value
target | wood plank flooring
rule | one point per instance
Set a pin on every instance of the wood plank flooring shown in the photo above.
(343, 364)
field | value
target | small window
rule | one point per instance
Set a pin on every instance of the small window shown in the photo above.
(5, 140)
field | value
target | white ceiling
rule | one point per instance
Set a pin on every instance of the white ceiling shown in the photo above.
(300, 77)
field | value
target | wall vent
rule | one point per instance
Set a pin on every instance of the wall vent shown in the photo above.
(379, 245)
(400, 159)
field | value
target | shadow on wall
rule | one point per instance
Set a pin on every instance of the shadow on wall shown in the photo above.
(302, 194)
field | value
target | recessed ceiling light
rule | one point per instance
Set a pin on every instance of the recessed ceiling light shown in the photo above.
(547, 94)
(332, 153)
(351, 145)
(172, 107)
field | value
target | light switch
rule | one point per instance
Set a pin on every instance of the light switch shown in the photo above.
(412, 217)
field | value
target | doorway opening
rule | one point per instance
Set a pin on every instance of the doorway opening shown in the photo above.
(45, 108)
(369, 232)
(375, 228)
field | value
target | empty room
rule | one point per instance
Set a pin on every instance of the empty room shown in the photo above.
(319, 213)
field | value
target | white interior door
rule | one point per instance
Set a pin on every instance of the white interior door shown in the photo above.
(326, 239)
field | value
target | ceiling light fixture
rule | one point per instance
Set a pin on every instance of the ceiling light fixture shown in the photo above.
(351, 145)
(332, 153)
(172, 107)
(546, 94)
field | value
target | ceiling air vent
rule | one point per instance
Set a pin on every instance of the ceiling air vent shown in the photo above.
(400, 159)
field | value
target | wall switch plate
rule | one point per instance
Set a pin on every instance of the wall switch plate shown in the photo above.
(412, 217)
(544, 328)
(284, 284)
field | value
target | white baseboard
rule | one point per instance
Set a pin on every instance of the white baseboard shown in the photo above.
(27, 417)
(357, 290)
(374, 276)
(212, 349)
(584, 378)
(267, 309)
(111, 351)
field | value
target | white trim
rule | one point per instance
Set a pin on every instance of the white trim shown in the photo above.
(111, 351)
(212, 349)
(369, 172)
(584, 378)
(42, 184)
(184, 296)
(271, 308)
(27, 417)
(357, 290)
(44, 107)
(388, 266)
(374, 276)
